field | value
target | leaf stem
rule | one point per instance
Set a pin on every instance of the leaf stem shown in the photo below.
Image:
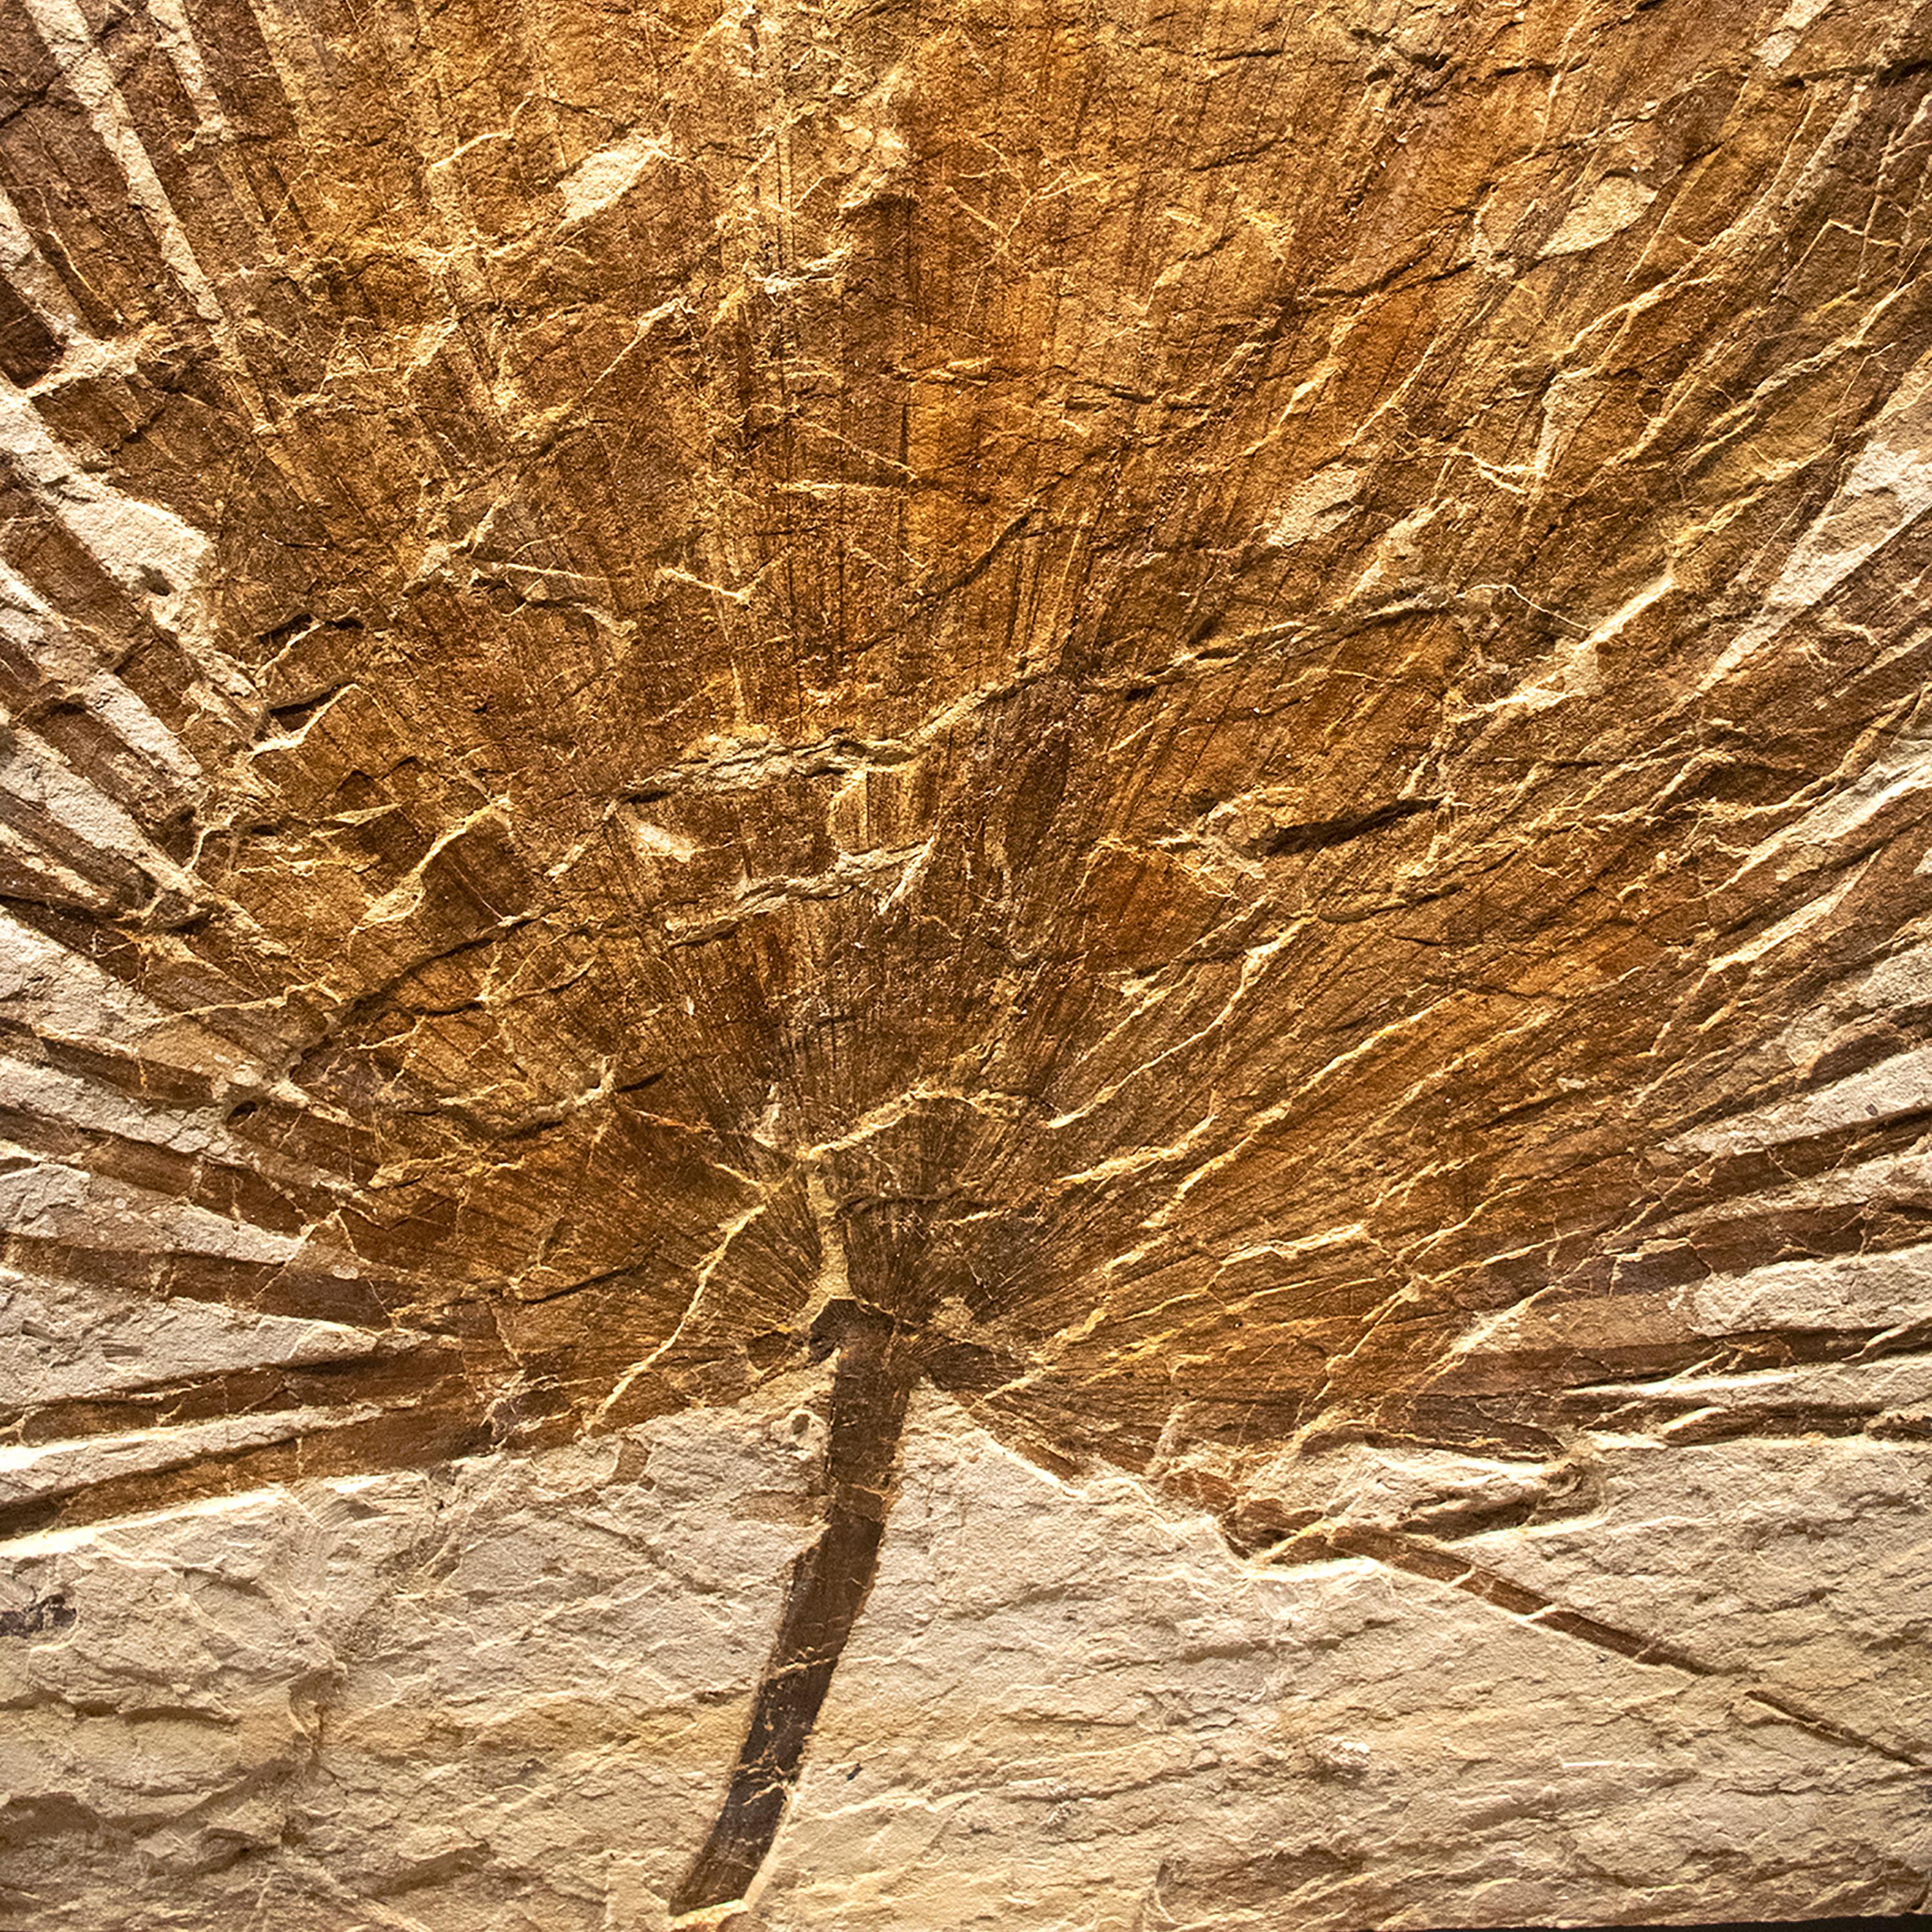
(829, 1582)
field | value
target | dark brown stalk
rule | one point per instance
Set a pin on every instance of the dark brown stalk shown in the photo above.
(828, 1588)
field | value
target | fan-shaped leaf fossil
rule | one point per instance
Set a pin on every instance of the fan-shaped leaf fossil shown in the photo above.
(1053, 701)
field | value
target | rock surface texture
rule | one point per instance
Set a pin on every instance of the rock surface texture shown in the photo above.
(965, 964)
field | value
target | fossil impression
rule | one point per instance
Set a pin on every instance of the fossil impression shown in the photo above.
(1205, 725)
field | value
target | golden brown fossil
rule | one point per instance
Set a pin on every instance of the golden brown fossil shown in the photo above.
(1152, 717)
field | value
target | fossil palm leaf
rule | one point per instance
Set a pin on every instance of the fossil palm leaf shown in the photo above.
(1224, 714)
